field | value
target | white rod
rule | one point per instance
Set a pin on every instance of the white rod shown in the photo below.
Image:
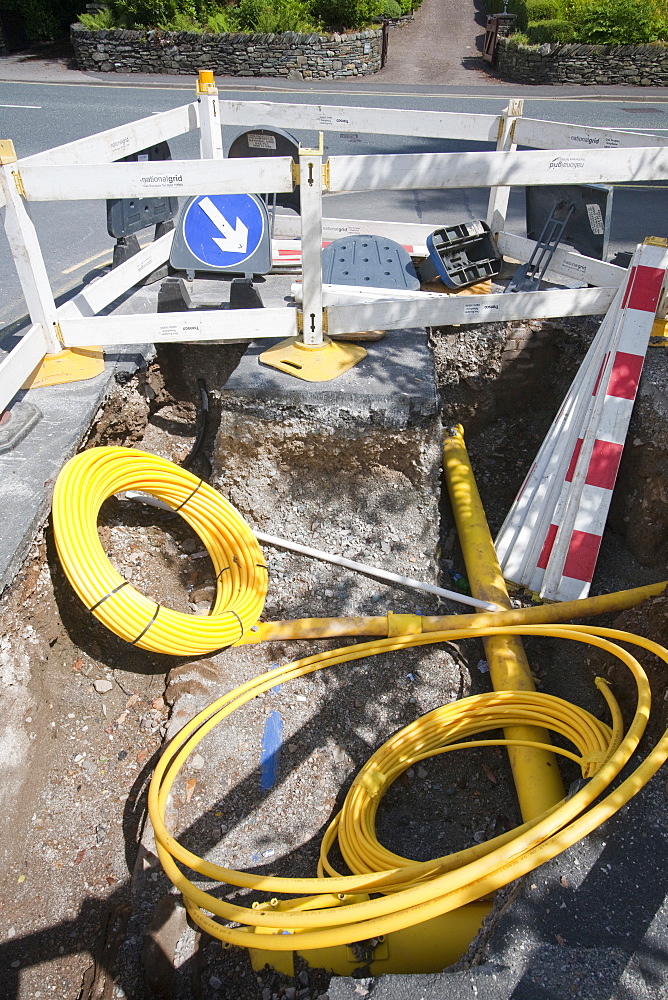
(28, 259)
(450, 309)
(408, 171)
(210, 136)
(497, 206)
(157, 179)
(557, 135)
(101, 292)
(310, 193)
(381, 574)
(105, 147)
(20, 363)
(383, 121)
(350, 294)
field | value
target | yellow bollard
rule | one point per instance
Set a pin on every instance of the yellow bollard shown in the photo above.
(535, 772)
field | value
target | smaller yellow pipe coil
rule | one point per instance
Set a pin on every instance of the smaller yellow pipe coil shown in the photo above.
(93, 476)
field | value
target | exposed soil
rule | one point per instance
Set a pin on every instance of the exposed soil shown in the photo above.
(80, 890)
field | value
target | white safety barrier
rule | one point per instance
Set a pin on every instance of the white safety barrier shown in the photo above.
(87, 169)
(550, 539)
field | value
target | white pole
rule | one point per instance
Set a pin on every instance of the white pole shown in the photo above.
(26, 251)
(305, 550)
(381, 574)
(497, 207)
(310, 179)
(210, 134)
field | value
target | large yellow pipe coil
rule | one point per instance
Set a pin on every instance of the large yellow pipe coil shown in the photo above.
(338, 909)
(83, 485)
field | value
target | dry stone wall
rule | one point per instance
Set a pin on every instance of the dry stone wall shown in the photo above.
(290, 55)
(634, 65)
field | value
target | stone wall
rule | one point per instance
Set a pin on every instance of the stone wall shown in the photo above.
(635, 65)
(297, 57)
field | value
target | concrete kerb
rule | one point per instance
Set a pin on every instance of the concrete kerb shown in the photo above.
(29, 470)
(15, 68)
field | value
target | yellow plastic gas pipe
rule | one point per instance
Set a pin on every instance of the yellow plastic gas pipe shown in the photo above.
(544, 614)
(535, 772)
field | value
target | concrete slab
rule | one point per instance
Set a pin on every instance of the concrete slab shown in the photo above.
(395, 382)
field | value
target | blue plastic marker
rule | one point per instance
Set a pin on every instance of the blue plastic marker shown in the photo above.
(271, 750)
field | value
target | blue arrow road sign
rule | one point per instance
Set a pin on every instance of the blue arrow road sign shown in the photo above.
(224, 230)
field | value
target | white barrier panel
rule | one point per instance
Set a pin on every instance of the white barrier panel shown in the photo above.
(406, 233)
(20, 363)
(556, 135)
(453, 309)
(405, 171)
(105, 147)
(564, 263)
(156, 179)
(106, 289)
(371, 121)
(149, 328)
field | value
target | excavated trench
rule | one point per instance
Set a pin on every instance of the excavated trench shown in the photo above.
(83, 887)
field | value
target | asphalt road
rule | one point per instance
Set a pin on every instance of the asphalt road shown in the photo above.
(73, 236)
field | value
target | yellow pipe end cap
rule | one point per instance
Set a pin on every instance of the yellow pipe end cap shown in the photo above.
(313, 364)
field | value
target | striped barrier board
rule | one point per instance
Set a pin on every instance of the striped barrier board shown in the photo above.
(550, 540)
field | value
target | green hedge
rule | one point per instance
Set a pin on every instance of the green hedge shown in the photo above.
(544, 10)
(620, 22)
(554, 30)
(602, 22)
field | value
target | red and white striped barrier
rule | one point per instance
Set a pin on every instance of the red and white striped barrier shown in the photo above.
(550, 540)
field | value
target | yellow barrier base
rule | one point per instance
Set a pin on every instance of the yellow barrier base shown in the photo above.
(425, 948)
(659, 333)
(313, 364)
(74, 364)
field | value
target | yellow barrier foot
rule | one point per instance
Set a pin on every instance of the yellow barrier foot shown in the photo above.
(313, 364)
(74, 364)
(424, 948)
(659, 333)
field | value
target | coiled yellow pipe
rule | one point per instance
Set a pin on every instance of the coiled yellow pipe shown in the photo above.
(412, 892)
(83, 485)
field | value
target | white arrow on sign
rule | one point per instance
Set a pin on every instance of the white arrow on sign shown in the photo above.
(235, 240)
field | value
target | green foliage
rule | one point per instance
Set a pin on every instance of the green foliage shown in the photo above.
(520, 38)
(391, 9)
(554, 30)
(619, 22)
(263, 16)
(544, 10)
(347, 13)
(182, 22)
(103, 18)
(273, 16)
(220, 21)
